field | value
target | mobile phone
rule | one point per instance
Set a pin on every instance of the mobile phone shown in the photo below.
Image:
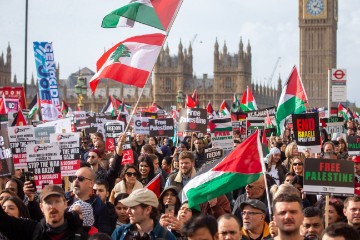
(170, 209)
(29, 176)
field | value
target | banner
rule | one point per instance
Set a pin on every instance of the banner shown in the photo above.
(161, 127)
(44, 161)
(112, 132)
(193, 120)
(60, 125)
(48, 86)
(328, 176)
(141, 125)
(254, 123)
(69, 144)
(221, 133)
(19, 138)
(14, 93)
(6, 167)
(306, 131)
(353, 145)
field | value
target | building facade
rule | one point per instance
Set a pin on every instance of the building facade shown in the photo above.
(5, 68)
(318, 28)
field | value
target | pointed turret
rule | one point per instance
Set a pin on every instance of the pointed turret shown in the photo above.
(225, 48)
(32, 82)
(241, 47)
(15, 79)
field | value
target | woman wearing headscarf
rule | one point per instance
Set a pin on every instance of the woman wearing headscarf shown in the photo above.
(274, 167)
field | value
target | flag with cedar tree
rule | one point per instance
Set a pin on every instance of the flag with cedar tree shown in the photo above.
(130, 61)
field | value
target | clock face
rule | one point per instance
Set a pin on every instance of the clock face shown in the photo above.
(315, 7)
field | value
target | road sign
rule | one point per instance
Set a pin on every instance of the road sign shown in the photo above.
(338, 82)
(338, 74)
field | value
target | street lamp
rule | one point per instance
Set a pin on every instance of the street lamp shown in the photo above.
(80, 90)
(180, 99)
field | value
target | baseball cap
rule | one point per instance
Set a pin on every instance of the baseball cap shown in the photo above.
(253, 203)
(356, 159)
(143, 195)
(51, 190)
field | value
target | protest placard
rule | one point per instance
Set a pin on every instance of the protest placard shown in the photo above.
(193, 120)
(306, 131)
(163, 127)
(328, 176)
(221, 133)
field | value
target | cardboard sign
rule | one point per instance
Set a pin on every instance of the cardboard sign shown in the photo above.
(221, 133)
(193, 120)
(44, 160)
(214, 153)
(254, 123)
(141, 125)
(128, 155)
(19, 138)
(353, 145)
(329, 176)
(59, 124)
(6, 167)
(306, 131)
(69, 144)
(161, 127)
(112, 132)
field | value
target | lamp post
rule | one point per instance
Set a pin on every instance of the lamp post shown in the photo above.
(80, 90)
(180, 99)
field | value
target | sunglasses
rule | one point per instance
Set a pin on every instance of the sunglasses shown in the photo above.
(299, 163)
(90, 156)
(81, 178)
(129, 174)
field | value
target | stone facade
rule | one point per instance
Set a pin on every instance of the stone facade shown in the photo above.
(5, 67)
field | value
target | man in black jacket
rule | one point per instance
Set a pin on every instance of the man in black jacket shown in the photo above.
(57, 224)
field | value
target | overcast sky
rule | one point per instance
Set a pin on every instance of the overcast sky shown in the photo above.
(74, 27)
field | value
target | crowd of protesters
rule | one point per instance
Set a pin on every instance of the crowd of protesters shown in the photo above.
(108, 199)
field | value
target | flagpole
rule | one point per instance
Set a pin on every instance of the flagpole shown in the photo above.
(329, 100)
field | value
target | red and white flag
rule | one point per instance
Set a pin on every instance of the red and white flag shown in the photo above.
(154, 185)
(130, 61)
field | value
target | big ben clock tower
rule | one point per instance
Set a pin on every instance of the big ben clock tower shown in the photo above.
(318, 26)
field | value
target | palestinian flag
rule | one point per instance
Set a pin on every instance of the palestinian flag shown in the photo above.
(190, 102)
(292, 100)
(109, 106)
(19, 119)
(154, 185)
(155, 13)
(241, 167)
(65, 107)
(211, 112)
(130, 61)
(235, 103)
(248, 101)
(342, 111)
(33, 107)
(224, 110)
(196, 98)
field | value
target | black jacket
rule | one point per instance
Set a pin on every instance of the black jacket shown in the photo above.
(19, 228)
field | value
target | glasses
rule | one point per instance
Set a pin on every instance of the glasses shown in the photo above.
(298, 163)
(129, 174)
(81, 178)
(92, 157)
(250, 214)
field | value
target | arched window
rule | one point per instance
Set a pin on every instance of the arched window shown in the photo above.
(228, 82)
(168, 84)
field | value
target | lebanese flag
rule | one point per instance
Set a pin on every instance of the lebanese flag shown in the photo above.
(241, 167)
(154, 185)
(248, 101)
(154, 13)
(130, 61)
(292, 100)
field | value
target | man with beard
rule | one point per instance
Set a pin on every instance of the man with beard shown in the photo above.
(83, 190)
(143, 213)
(352, 211)
(253, 217)
(186, 171)
(313, 223)
(288, 216)
(56, 224)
